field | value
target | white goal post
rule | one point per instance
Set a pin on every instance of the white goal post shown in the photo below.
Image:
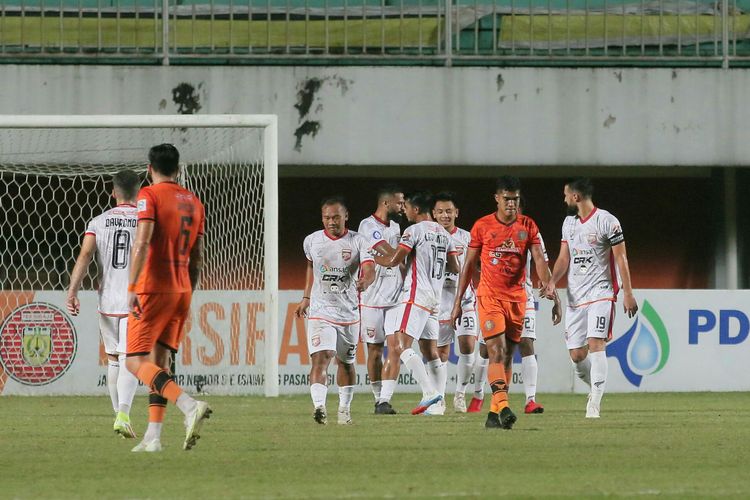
(49, 163)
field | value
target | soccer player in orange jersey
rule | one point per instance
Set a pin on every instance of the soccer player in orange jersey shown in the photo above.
(164, 270)
(501, 240)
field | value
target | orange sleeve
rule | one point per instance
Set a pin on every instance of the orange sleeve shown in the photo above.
(476, 235)
(534, 233)
(146, 205)
(202, 225)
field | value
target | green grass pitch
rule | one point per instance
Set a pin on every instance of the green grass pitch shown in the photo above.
(675, 445)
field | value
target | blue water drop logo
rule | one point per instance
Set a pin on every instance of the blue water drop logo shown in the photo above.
(644, 349)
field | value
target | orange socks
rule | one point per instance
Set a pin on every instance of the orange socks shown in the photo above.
(499, 386)
(159, 381)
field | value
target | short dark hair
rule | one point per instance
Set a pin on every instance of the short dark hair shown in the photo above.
(444, 196)
(508, 183)
(165, 159)
(420, 199)
(582, 186)
(333, 200)
(127, 184)
(388, 190)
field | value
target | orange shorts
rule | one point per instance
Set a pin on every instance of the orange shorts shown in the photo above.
(498, 317)
(163, 317)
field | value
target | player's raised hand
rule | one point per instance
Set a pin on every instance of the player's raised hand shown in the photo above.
(301, 310)
(134, 305)
(73, 305)
(630, 305)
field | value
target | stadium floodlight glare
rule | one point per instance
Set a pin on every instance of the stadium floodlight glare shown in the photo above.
(55, 171)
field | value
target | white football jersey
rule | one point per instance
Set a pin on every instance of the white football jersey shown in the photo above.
(460, 239)
(430, 245)
(114, 231)
(335, 263)
(529, 285)
(592, 274)
(386, 289)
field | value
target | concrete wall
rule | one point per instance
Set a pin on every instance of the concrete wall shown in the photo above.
(429, 116)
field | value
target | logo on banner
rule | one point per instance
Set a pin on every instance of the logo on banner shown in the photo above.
(37, 344)
(644, 349)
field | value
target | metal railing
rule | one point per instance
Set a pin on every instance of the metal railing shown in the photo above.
(441, 31)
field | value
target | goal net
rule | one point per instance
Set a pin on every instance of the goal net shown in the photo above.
(56, 176)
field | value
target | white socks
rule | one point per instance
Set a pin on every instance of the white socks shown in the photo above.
(113, 371)
(376, 387)
(463, 371)
(386, 392)
(480, 375)
(318, 393)
(414, 363)
(346, 394)
(185, 403)
(127, 383)
(599, 370)
(583, 369)
(438, 374)
(529, 373)
(153, 431)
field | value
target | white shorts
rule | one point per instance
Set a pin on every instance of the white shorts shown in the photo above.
(593, 320)
(375, 322)
(529, 322)
(467, 327)
(417, 322)
(114, 333)
(325, 336)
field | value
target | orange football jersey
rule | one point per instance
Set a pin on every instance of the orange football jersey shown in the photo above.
(179, 218)
(503, 254)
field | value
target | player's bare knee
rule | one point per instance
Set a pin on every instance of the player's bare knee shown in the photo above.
(578, 355)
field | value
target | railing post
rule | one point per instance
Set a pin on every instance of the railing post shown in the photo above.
(725, 34)
(449, 33)
(165, 32)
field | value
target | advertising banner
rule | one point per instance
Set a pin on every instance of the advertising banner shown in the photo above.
(679, 341)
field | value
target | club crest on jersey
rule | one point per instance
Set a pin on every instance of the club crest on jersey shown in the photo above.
(522, 235)
(315, 340)
(489, 325)
(371, 333)
(591, 238)
(346, 254)
(141, 205)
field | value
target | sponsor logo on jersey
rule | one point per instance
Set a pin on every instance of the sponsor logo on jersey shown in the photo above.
(643, 350)
(376, 235)
(38, 344)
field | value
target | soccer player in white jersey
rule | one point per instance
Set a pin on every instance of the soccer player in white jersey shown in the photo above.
(592, 245)
(110, 236)
(445, 211)
(529, 366)
(430, 253)
(335, 256)
(378, 303)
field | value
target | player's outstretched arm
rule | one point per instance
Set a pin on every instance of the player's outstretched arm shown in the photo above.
(88, 248)
(542, 269)
(621, 259)
(384, 249)
(143, 234)
(367, 277)
(301, 310)
(560, 270)
(197, 260)
(395, 259)
(472, 254)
